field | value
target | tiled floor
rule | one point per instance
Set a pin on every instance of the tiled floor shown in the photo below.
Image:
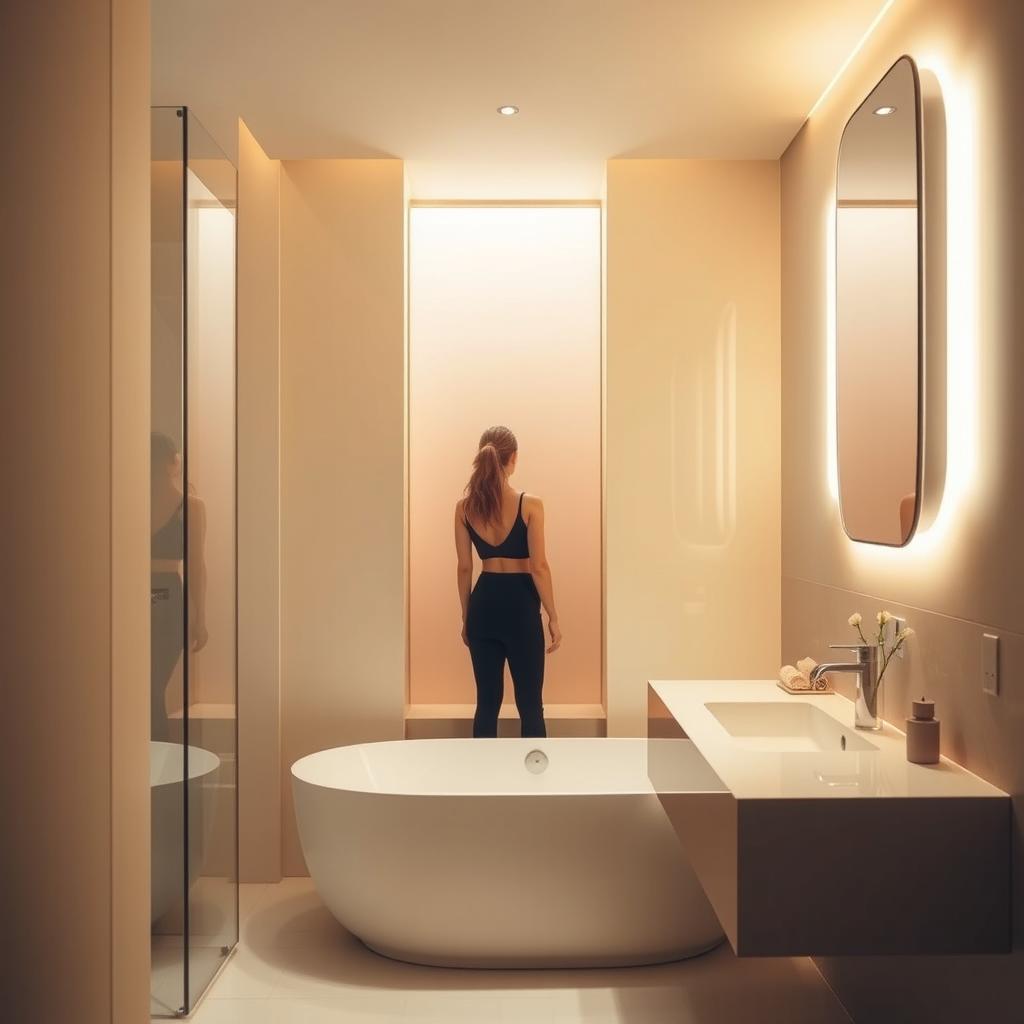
(296, 965)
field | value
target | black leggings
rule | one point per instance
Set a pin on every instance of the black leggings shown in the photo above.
(503, 622)
(167, 624)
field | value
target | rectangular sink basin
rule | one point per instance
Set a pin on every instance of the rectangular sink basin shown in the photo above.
(785, 727)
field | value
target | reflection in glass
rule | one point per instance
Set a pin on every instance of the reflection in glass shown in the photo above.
(193, 676)
(878, 312)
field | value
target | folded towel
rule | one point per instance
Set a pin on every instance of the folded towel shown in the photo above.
(793, 679)
(805, 667)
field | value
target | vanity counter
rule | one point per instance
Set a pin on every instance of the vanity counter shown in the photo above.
(751, 774)
(823, 840)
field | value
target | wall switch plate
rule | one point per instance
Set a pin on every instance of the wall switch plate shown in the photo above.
(990, 664)
(897, 625)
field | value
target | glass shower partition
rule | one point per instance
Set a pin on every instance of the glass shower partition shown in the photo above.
(193, 682)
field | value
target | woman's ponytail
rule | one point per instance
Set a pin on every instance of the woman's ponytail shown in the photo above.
(483, 492)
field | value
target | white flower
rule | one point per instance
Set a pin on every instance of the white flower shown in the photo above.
(903, 634)
(883, 617)
(855, 619)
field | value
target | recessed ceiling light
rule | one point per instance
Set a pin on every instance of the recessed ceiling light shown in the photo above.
(885, 111)
(508, 110)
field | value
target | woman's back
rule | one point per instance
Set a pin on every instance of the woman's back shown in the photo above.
(506, 539)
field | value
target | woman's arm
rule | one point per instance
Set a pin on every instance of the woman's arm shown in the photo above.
(197, 572)
(539, 568)
(464, 572)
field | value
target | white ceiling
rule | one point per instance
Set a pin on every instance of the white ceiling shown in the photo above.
(420, 80)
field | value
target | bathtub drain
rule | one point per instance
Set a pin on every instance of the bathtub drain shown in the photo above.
(536, 761)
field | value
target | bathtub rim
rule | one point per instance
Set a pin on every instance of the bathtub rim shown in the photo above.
(299, 770)
(201, 762)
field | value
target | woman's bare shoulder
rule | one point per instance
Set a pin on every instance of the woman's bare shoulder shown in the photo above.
(532, 503)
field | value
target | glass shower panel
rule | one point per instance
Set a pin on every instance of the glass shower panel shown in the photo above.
(210, 195)
(167, 601)
(193, 675)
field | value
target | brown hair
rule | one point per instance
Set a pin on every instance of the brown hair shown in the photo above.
(483, 492)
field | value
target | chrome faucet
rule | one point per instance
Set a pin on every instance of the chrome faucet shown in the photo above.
(866, 669)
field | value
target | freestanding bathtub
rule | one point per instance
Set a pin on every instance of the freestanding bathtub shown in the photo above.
(502, 853)
(167, 824)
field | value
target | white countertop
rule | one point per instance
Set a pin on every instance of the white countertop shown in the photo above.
(758, 774)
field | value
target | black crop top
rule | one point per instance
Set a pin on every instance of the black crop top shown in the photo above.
(169, 541)
(515, 545)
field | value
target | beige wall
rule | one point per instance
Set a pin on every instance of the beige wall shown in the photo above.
(961, 576)
(692, 424)
(505, 327)
(74, 370)
(259, 512)
(343, 659)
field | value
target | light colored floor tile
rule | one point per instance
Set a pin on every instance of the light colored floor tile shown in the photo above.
(236, 1011)
(516, 1006)
(452, 1006)
(329, 1010)
(296, 965)
(298, 919)
(166, 975)
(323, 970)
(290, 888)
(250, 896)
(246, 976)
(527, 1007)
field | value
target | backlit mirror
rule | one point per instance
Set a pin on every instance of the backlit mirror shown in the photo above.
(878, 312)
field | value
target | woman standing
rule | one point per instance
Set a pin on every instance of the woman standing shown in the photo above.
(167, 551)
(501, 618)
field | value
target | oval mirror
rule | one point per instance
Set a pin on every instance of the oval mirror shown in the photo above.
(878, 312)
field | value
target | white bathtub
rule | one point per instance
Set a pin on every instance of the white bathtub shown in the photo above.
(167, 820)
(452, 853)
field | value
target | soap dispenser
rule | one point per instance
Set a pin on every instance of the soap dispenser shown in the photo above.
(923, 733)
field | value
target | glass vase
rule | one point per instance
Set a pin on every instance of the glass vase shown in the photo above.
(867, 706)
